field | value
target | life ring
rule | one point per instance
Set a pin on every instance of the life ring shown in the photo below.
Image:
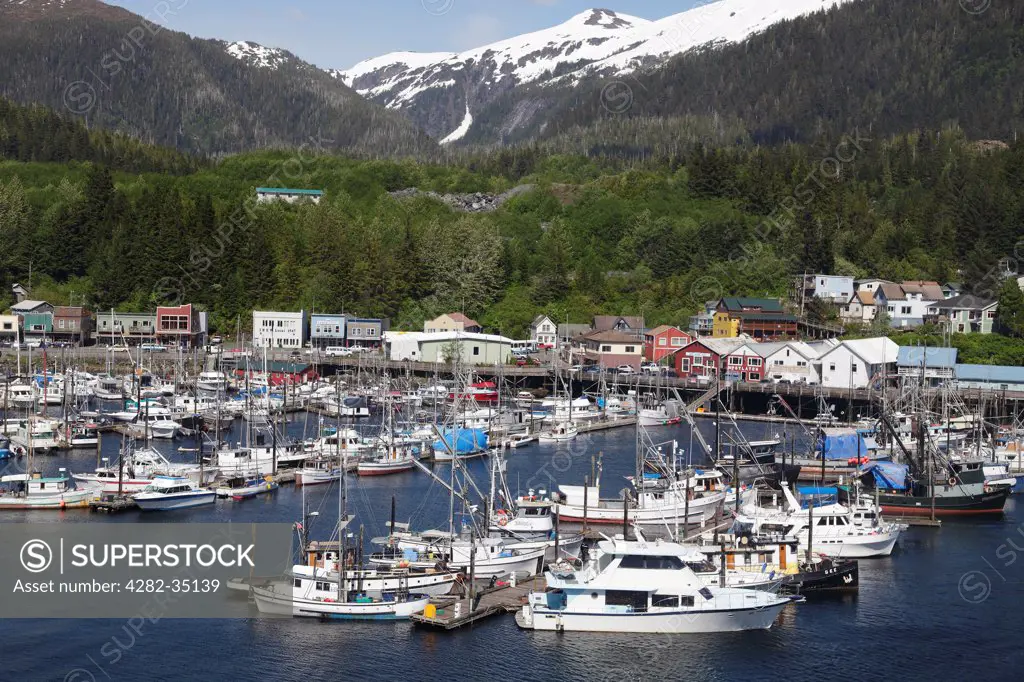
(501, 516)
(987, 488)
(952, 481)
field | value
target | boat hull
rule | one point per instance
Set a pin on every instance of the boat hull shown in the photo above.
(171, 503)
(75, 499)
(986, 504)
(673, 622)
(701, 511)
(384, 468)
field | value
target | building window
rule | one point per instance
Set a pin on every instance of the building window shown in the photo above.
(905, 310)
(960, 328)
(630, 349)
(832, 367)
(62, 324)
(476, 350)
(684, 365)
(735, 361)
(754, 362)
(755, 376)
(853, 367)
(662, 341)
(372, 331)
(606, 349)
(678, 341)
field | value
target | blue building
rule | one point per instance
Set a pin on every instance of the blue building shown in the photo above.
(937, 364)
(990, 377)
(327, 330)
(832, 288)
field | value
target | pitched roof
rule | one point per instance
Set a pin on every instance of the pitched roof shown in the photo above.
(917, 356)
(606, 322)
(740, 303)
(661, 329)
(540, 318)
(866, 297)
(573, 329)
(876, 351)
(891, 291)
(965, 302)
(466, 321)
(610, 336)
(930, 291)
(722, 346)
(69, 311)
(27, 306)
(769, 348)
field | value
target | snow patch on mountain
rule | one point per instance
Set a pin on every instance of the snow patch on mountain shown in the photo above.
(461, 131)
(256, 55)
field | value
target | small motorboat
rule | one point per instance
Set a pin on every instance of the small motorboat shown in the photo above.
(242, 488)
(173, 492)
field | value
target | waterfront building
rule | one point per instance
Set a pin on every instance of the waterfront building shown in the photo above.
(272, 329)
(179, 326)
(114, 328)
(365, 331)
(327, 330)
(473, 349)
(859, 364)
(759, 318)
(663, 341)
(72, 324)
(792, 361)
(937, 365)
(9, 328)
(569, 334)
(612, 348)
(989, 377)
(543, 331)
(701, 358)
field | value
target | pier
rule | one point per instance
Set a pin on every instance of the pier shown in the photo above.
(489, 602)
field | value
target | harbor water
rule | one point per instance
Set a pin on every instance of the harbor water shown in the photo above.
(946, 604)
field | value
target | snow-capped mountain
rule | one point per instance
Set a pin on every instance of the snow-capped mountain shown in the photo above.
(440, 91)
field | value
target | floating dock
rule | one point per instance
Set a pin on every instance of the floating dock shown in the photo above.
(112, 504)
(451, 612)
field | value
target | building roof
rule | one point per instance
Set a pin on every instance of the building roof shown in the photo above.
(865, 297)
(69, 311)
(930, 291)
(605, 322)
(722, 346)
(891, 291)
(965, 302)
(537, 321)
(876, 351)
(661, 329)
(283, 190)
(770, 347)
(997, 374)
(27, 306)
(573, 329)
(918, 356)
(741, 303)
(466, 321)
(610, 336)
(431, 337)
(871, 279)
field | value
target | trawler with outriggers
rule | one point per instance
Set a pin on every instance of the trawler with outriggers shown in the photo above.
(661, 495)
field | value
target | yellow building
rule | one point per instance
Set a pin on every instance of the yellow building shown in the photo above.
(724, 326)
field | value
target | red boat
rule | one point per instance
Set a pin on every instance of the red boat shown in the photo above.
(481, 392)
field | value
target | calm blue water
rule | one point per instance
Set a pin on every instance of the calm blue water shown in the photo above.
(948, 603)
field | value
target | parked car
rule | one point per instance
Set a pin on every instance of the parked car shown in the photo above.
(625, 369)
(337, 352)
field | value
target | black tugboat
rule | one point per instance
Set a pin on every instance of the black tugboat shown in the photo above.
(824, 574)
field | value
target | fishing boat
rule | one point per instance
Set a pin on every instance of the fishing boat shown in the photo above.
(481, 392)
(82, 434)
(212, 381)
(835, 530)
(962, 491)
(518, 440)
(112, 480)
(242, 488)
(456, 443)
(491, 557)
(35, 491)
(388, 460)
(643, 587)
(108, 388)
(168, 493)
(559, 433)
(40, 435)
(318, 470)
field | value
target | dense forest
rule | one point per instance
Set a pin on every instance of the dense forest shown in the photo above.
(873, 65)
(656, 237)
(116, 70)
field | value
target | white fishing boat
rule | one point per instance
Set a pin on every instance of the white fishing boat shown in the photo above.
(388, 460)
(493, 556)
(20, 395)
(318, 599)
(643, 587)
(82, 435)
(35, 491)
(518, 440)
(168, 493)
(833, 529)
(108, 388)
(317, 471)
(559, 433)
(40, 435)
(212, 381)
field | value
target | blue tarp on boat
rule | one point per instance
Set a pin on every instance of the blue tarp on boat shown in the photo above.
(888, 474)
(817, 490)
(842, 444)
(466, 440)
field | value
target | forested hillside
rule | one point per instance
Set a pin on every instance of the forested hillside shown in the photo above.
(872, 65)
(118, 71)
(658, 238)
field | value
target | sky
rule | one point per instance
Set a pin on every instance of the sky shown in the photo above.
(339, 33)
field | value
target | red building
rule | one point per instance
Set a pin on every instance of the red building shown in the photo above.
(663, 341)
(178, 325)
(702, 359)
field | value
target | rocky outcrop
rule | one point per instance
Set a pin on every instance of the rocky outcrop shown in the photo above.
(476, 202)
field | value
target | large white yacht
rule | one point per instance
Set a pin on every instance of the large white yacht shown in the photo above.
(644, 587)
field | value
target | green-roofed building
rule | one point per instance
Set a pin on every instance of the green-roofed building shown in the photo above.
(291, 196)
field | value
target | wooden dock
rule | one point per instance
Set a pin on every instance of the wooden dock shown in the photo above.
(925, 521)
(454, 612)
